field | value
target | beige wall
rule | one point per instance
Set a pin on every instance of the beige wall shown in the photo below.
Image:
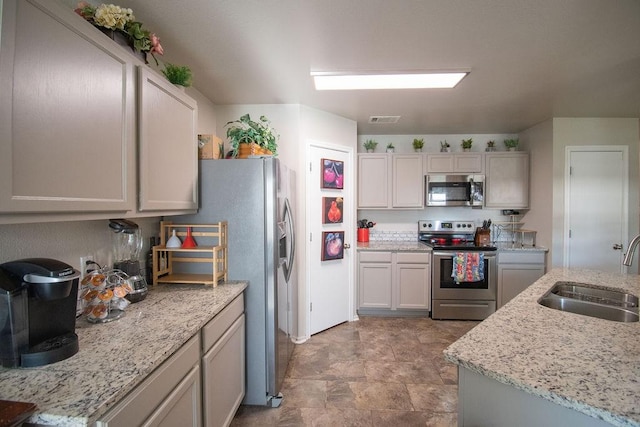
(591, 131)
(538, 141)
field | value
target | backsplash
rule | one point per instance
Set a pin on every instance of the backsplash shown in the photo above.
(392, 235)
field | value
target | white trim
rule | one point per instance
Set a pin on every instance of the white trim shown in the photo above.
(624, 149)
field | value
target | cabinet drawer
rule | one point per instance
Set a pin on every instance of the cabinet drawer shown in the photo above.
(371, 256)
(522, 257)
(413, 257)
(213, 330)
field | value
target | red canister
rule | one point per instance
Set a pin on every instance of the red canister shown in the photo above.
(363, 234)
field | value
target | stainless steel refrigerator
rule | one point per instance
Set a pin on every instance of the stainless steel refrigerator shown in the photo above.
(256, 196)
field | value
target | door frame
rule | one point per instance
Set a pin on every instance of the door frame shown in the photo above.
(567, 188)
(350, 205)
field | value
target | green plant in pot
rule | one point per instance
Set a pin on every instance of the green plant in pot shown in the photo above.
(177, 74)
(418, 144)
(444, 146)
(390, 147)
(245, 132)
(511, 144)
(466, 144)
(370, 145)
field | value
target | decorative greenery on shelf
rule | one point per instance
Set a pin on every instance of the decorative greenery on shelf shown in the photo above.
(418, 143)
(178, 74)
(466, 143)
(246, 131)
(370, 144)
(390, 146)
(491, 144)
(444, 144)
(511, 143)
(122, 20)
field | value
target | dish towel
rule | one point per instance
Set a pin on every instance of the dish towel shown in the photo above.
(468, 267)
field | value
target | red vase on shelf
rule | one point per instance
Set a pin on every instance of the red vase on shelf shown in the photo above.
(189, 241)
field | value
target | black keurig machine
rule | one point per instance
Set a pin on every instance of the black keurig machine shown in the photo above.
(37, 312)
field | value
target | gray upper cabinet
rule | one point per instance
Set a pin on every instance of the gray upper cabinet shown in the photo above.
(454, 163)
(507, 180)
(390, 181)
(66, 142)
(168, 145)
(87, 130)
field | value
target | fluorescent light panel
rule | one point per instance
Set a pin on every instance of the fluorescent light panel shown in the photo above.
(387, 81)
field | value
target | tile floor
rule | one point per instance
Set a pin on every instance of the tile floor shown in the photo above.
(377, 371)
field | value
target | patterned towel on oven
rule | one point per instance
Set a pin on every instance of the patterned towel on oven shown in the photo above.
(468, 267)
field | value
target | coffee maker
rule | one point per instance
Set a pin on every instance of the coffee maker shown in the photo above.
(37, 312)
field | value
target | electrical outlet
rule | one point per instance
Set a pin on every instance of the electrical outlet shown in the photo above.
(85, 265)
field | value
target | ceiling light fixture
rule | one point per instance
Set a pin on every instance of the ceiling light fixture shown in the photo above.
(343, 81)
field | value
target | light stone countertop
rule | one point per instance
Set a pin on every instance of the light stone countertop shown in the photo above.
(579, 362)
(115, 357)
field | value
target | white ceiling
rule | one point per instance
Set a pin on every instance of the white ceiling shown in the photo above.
(530, 60)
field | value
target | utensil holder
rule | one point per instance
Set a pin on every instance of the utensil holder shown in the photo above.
(363, 235)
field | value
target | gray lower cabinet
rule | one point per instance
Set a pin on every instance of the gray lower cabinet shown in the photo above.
(223, 365)
(170, 396)
(394, 282)
(203, 383)
(516, 271)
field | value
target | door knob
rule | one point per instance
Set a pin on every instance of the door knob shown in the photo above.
(346, 246)
(617, 247)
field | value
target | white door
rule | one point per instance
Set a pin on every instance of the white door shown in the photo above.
(596, 216)
(331, 227)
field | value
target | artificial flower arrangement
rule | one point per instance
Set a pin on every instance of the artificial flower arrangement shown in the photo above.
(121, 19)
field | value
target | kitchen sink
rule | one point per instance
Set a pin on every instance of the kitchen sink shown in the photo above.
(590, 300)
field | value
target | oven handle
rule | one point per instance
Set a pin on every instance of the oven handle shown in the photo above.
(488, 254)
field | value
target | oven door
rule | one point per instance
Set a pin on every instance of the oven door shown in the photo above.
(444, 287)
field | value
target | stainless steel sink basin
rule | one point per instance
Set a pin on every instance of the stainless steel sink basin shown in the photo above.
(590, 300)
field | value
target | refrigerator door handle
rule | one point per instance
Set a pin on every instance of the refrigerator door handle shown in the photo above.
(288, 217)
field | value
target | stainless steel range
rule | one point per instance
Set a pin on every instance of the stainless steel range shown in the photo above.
(459, 296)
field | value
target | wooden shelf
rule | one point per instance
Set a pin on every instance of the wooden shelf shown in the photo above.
(214, 253)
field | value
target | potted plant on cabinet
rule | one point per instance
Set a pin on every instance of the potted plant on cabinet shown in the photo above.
(491, 146)
(511, 144)
(248, 137)
(370, 145)
(179, 75)
(390, 147)
(466, 144)
(418, 144)
(444, 146)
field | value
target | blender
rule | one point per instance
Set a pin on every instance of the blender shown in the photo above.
(127, 245)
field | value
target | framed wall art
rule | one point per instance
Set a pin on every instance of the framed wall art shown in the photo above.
(332, 173)
(332, 210)
(332, 245)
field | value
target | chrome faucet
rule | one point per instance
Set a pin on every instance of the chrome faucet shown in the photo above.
(628, 257)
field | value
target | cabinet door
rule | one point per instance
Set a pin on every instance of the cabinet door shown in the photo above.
(172, 392)
(168, 145)
(413, 286)
(224, 376)
(471, 163)
(507, 180)
(454, 163)
(374, 282)
(373, 181)
(515, 278)
(439, 163)
(182, 406)
(67, 136)
(408, 181)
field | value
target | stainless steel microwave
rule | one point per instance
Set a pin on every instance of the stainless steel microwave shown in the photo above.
(454, 190)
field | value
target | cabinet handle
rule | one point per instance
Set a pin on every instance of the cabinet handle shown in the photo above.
(346, 246)
(617, 247)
